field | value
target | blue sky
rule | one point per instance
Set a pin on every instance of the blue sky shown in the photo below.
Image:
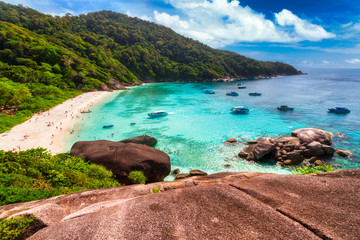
(304, 33)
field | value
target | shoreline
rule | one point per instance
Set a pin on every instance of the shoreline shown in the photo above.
(48, 129)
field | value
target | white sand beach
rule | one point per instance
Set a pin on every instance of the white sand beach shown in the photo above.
(48, 129)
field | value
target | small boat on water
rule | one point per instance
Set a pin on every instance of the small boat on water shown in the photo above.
(241, 87)
(339, 110)
(108, 126)
(232, 94)
(155, 114)
(239, 84)
(240, 110)
(254, 94)
(285, 108)
(209, 91)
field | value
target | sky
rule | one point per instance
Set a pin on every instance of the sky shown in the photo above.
(303, 33)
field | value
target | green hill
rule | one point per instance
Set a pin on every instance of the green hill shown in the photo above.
(91, 49)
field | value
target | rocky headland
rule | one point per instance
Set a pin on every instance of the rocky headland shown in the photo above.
(311, 146)
(219, 206)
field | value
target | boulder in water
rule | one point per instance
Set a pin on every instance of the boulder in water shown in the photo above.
(308, 135)
(144, 139)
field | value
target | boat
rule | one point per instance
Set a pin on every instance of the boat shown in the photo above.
(209, 91)
(108, 126)
(232, 94)
(285, 108)
(241, 87)
(240, 109)
(155, 114)
(340, 110)
(254, 94)
(239, 84)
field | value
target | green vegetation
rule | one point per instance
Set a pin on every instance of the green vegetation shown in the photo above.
(12, 228)
(137, 177)
(35, 174)
(155, 190)
(317, 169)
(88, 50)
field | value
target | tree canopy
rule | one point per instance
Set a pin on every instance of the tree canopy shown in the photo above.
(72, 51)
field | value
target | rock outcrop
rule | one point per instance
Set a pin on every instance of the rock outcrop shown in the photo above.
(303, 146)
(121, 158)
(231, 140)
(218, 206)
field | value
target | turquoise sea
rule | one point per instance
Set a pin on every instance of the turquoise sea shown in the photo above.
(194, 131)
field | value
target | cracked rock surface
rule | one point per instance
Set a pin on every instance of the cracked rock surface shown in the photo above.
(219, 206)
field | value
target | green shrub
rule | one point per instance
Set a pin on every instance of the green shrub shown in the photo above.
(155, 190)
(12, 228)
(35, 174)
(137, 177)
(317, 169)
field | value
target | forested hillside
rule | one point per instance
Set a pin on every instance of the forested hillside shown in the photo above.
(91, 49)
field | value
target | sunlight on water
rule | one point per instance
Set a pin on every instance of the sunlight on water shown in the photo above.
(193, 132)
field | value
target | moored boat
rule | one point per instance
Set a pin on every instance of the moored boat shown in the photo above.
(241, 87)
(285, 108)
(155, 114)
(209, 91)
(108, 126)
(232, 94)
(339, 110)
(240, 110)
(254, 94)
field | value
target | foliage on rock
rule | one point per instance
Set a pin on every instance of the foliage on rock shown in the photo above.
(12, 228)
(310, 170)
(137, 177)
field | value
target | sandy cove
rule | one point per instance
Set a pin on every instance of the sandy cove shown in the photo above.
(48, 129)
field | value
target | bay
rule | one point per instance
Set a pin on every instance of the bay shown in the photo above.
(193, 132)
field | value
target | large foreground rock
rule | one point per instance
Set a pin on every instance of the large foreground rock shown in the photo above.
(218, 206)
(121, 158)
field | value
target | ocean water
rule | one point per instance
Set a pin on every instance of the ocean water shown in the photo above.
(193, 132)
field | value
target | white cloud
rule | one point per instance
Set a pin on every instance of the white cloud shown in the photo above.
(303, 29)
(220, 22)
(353, 61)
(173, 21)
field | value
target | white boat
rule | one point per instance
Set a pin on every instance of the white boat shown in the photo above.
(209, 91)
(155, 114)
(240, 109)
